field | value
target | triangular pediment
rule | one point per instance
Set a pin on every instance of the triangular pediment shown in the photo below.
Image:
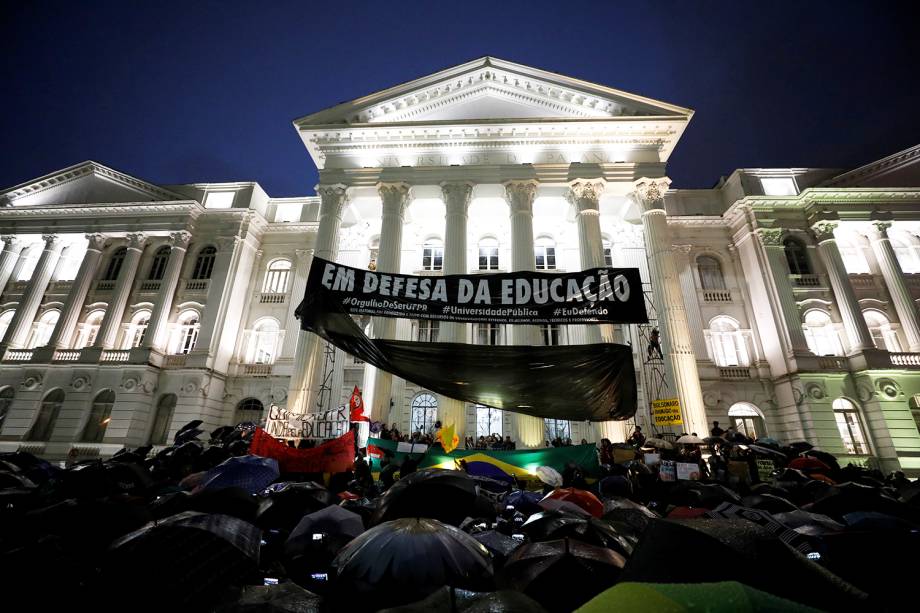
(85, 183)
(490, 89)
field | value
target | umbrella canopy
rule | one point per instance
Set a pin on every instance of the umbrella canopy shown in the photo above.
(445, 495)
(811, 524)
(284, 504)
(769, 442)
(716, 440)
(552, 525)
(251, 473)
(726, 596)
(499, 545)
(563, 506)
(767, 452)
(194, 558)
(407, 559)
(330, 520)
(563, 574)
(806, 464)
(825, 457)
(689, 439)
(550, 476)
(453, 600)
(581, 498)
(874, 521)
(524, 501)
(838, 500)
(698, 494)
(659, 443)
(768, 502)
(281, 598)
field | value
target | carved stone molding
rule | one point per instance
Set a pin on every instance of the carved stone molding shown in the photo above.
(136, 240)
(303, 253)
(770, 237)
(332, 198)
(585, 194)
(394, 197)
(228, 243)
(180, 240)
(457, 196)
(10, 242)
(824, 230)
(878, 230)
(520, 195)
(96, 241)
(650, 192)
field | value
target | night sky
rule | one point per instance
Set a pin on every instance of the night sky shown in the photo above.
(206, 91)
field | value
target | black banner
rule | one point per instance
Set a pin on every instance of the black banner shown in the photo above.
(595, 296)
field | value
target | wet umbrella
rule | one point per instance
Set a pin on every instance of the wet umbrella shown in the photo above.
(404, 560)
(314, 543)
(251, 473)
(364, 507)
(767, 452)
(453, 600)
(728, 596)
(233, 501)
(839, 500)
(563, 506)
(717, 440)
(330, 520)
(768, 502)
(616, 502)
(658, 443)
(808, 464)
(769, 442)
(188, 432)
(811, 524)
(563, 574)
(34, 468)
(742, 551)
(13, 479)
(524, 501)
(689, 439)
(615, 485)
(283, 505)
(194, 558)
(279, 598)
(550, 476)
(445, 495)
(499, 545)
(874, 521)
(687, 512)
(581, 498)
(800, 446)
(698, 494)
(553, 525)
(825, 457)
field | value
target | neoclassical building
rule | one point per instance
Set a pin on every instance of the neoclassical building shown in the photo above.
(785, 297)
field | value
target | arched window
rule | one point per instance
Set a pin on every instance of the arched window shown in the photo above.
(47, 416)
(89, 329)
(424, 413)
(276, 277)
(99, 417)
(488, 253)
(545, 253)
(158, 265)
(118, 258)
(204, 264)
(6, 400)
(710, 270)
(428, 330)
(5, 318)
(433, 254)
(557, 428)
(187, 332)
(821, 334)
(850, 427)
(728, 343)
(882, 335)
(747, 419)
(137, 329)
(488, 421)
(42, 329)
(796, 257)
(163, 419)
(263, 342)
(249, 409)
(608, 252)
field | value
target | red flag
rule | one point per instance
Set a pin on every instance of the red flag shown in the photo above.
(356, 403)
(335, 456)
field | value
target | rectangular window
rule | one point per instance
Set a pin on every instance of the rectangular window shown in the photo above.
(851, 432)
(428, 330)
(608, 256)
(780, 186)
(488, 258)
(552, 334)
(557, 429)
(545, 258)
(433, 258)
(488, 421)
(288, 212)
(219, 200)
(488, 334)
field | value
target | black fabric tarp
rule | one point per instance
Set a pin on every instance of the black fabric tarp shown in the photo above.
(594, 382)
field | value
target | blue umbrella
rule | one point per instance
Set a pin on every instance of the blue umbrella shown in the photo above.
(524, 501)
(251, 473)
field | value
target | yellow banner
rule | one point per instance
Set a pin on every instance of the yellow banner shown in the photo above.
(666, 412)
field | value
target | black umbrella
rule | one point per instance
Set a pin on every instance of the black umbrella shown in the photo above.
(233, 501)
(561, 575)
(404, 560)
(768, 502)
(800, 446)
(453, 600)
(279, 598)
(499, 545)
(445, 495)
(825, 457)
(284, 504)
(555, 525)
(364, 507)
(839, 500)
(698, 494)
(710, 550)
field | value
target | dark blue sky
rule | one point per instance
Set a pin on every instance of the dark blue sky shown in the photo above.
(206, 91)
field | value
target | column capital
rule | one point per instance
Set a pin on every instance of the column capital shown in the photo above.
(456, 196)
(770, 237)
(10, 241)
(331, 192)
(96, 241)
(877, 230)
(180, 240)
(650, 192)
(586, 193)
(51, 240)
(136, 240)
(824, 230)
(520, 194)
(302, 254)
(394, 196)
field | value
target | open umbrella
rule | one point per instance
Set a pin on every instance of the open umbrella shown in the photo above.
(838, 500)
(811, 524)
(581, 498)
(314, 543)
(251, 473)
(551, 526)
(330, 520)
(768, 442)
(404, 560)
(284, 504)
(550, 476)
(724, 597)
(875, 522)
(563, 574)
(825, 457)
(524, 501)
(445, 495)
(284, 597)
(699, 494)
(808, 464)
(563, 506)
(194, 557)
(499, 545)
(689, 439)
(453, 600)
(767, 452)
(768, 502)
(801, 446)
(658, 443)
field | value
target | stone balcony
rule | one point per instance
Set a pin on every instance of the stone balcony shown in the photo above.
(808, 282)
(90, 355)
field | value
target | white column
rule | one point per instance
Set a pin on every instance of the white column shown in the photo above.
(298, 288)
(18, 332)
(116, 307)
(520, 195)
(61, 263)
(680, 362)
(308, 351)
(456, 198)
(12, 247)
(778, 276)
(63, 330)
(853, 320)
(394, 197)
(155, 337)
(894, 280)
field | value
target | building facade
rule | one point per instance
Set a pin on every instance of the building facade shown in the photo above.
(785, 299)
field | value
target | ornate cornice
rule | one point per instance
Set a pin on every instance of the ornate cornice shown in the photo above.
(127, 209)
(770, 237)
(901, 158)
(520, 195)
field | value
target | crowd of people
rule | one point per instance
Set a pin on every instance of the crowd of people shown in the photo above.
(202, 525)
